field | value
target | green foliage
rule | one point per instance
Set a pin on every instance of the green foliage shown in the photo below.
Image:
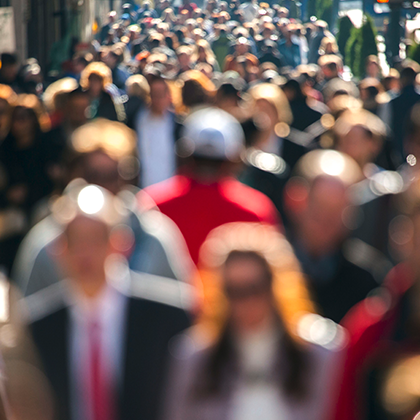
(360, 45)
(322, 9)
(351, 46)
(345, 28)
(414, 52)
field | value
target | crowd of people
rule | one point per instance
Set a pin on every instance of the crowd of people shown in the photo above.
(205, 216)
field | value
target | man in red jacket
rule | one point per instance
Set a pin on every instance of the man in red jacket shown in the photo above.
(208, 195)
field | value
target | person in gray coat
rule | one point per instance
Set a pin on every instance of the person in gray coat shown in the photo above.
(157, 246)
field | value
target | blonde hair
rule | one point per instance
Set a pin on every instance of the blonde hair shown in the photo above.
(137, 85)
(210, 57)
(288, 285)
(33, 103)
(98, 68)
(276, 97)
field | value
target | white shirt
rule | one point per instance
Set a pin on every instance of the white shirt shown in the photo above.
(108, 310)
(260, 398)
(156, 147)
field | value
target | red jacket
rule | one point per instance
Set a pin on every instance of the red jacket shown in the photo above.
(198, 208)
(370, 324)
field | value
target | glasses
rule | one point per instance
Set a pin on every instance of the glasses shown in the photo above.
(244, 292)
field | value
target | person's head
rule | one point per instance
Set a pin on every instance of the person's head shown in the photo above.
(293, 90)
(318, 202)
(331, 66)
(211, 144)
(271, 105)
(197, 89)
(95, 77)
(138, 86)
(360, 134)
(104, 154)
(328, 46)
(184, 56)
(76, 108)
(253, 265)
(408, 75)
(373, 68)
(89, 216)
(391, 82)
(111, 58)
(9, 67)
(160, 95)
(28, 118)
(80, 61)
(247, 284)
(242, 46)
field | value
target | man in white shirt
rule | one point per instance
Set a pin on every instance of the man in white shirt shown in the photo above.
(104, 350)
(156, 127)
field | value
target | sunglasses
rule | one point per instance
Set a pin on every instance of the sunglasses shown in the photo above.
(238, 293)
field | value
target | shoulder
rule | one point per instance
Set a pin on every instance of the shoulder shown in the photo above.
(365, 259)
(167, 191)
(191, 348)
(35, 242)
(46, 302)
(160, 292)
(250, 200)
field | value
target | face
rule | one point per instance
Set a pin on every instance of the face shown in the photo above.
(76, 110)
(95, 85)
(87, 249)
(359, 145)
(241, 49)
(184, 60)
(23, 122)
(372, 69)
(10, 72)
(322, 221)
(160, 97)
(248, 294)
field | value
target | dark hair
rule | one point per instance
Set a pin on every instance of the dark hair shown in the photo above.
(8, 59)
(193, 93)
(408, 76)
(295, 87)
(77, 92)
(291, 380)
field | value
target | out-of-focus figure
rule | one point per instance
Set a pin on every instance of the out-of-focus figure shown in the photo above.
(24, 170)
(25, 392)
(322, 214)
(273, 114)
(96, 78)
(206, 195)
(157, 130)
(105, 156)
(103, 337)
(382, 364)
(257, 352)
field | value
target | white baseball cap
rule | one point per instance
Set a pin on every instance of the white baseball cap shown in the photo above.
(212, 134)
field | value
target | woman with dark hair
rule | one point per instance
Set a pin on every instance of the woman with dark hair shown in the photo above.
(253, 354)
(23, 178)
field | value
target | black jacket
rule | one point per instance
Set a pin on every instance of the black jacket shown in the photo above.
(150, 326)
